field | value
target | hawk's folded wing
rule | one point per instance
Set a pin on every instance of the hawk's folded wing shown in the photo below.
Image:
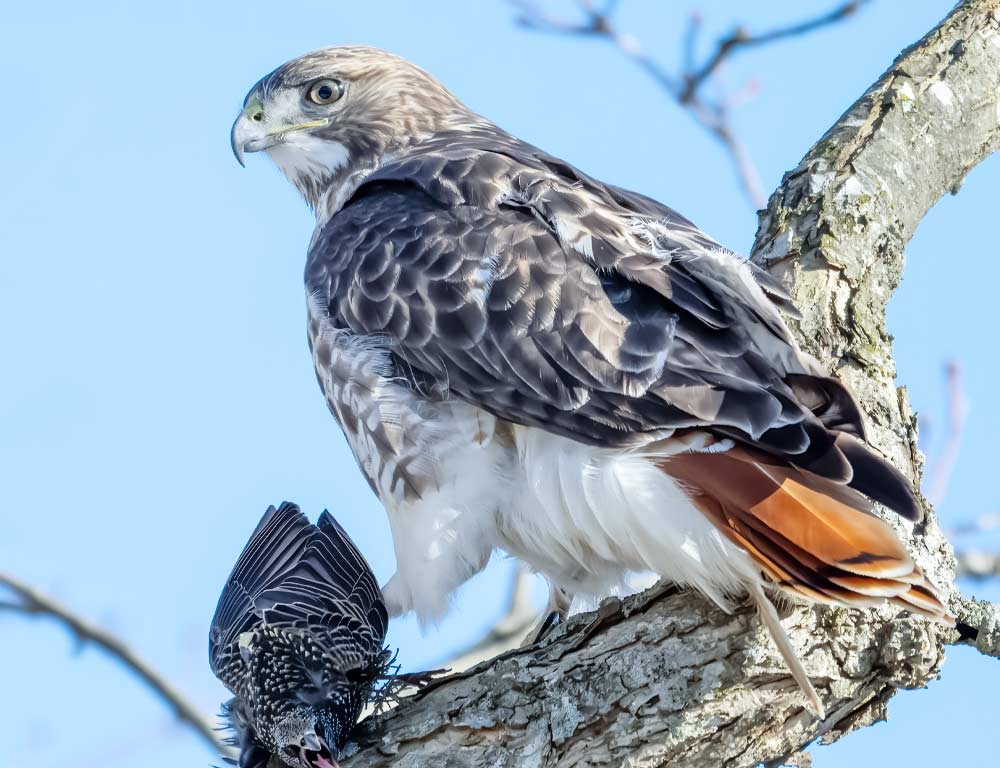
(511, 280)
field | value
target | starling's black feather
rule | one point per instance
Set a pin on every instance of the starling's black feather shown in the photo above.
(301, 622)
(295, 573)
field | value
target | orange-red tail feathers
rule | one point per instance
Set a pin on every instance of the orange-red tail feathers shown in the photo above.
(813, 537)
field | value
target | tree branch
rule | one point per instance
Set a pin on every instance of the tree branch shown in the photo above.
(673, 680)
(685, 88)
(32, 602)
(977, 565)
(958, 411)
(741, 38)
(519, 618)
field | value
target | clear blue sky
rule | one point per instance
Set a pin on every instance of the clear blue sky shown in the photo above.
(157, 393)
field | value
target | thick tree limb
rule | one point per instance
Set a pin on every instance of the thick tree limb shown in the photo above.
(32, 602)
(674, 681)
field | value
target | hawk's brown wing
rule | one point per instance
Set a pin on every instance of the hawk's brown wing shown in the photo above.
(505, 277)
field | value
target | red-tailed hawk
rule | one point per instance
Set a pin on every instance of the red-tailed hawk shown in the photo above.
(525, 358)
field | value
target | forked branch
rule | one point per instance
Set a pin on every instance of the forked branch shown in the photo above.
(688, 86)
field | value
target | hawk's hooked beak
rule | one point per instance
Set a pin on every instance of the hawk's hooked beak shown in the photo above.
(253, 132)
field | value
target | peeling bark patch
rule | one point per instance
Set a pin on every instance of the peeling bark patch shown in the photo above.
(942, 93)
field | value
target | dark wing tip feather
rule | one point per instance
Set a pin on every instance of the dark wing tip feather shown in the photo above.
(335, 531)
(365, 592)
(832, 446)
(355, 565)
(279, 537)
(879, 480)
(286, 511)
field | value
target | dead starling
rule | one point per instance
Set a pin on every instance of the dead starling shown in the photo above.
(298, 638)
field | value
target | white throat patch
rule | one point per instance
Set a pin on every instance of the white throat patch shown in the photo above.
(303, 157)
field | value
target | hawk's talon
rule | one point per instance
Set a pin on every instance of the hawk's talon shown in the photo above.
(549, 621)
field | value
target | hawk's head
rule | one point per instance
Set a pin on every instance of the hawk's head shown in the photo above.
(340, 109)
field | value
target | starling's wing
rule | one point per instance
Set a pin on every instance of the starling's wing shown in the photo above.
(275, 548)
(509, 279)
(333, 595)
(295, 575)
(365, 594)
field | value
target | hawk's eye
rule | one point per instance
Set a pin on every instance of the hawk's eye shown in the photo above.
(325, 91)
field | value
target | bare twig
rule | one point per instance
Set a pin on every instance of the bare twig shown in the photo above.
(35, 603)
(741, 38)
(977, 565)
(982, 524)
(958, 410)
(687, 87)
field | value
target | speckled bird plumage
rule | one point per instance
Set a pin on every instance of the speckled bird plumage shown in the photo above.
(525, 358)
(298, 638)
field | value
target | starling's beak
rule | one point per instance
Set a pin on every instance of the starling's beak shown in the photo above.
(317, 753)
(254, 132)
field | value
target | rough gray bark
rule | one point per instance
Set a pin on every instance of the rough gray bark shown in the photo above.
(671, 680)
